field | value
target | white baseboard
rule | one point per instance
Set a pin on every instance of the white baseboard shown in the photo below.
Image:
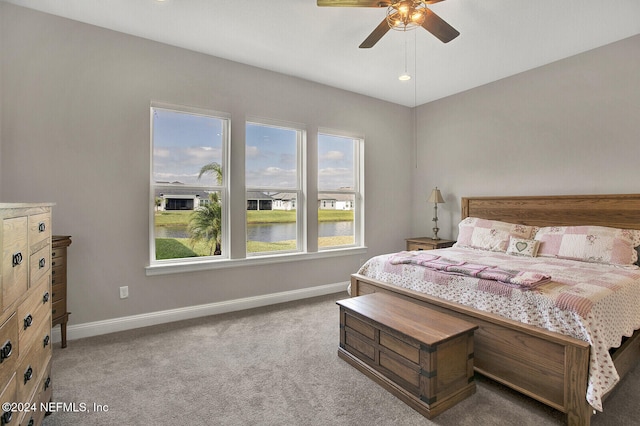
(96, 328)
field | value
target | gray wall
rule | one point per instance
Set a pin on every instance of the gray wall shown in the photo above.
(571, 127)
(75, 114)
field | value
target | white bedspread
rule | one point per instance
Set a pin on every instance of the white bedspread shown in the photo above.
(592, 302)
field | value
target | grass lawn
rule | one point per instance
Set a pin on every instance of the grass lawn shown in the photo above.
(256, 216)
(174, 248)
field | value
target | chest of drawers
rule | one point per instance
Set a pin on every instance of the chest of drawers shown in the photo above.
(59, 313)
(25, 310)
(425, 243)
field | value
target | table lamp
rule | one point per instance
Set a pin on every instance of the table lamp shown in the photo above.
(435, 198)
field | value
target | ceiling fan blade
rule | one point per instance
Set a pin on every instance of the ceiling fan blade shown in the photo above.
(376, 35)
(438, 27)
(354, 3)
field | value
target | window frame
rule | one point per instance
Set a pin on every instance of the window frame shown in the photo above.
(358, 186)
(226, 260)
(300, 188)
(222, 189)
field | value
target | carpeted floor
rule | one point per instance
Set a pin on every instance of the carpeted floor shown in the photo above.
(276, 365)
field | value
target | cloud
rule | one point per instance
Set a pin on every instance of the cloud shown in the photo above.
(333, 156)
(252, 151)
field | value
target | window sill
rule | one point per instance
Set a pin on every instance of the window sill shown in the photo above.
(193, 266)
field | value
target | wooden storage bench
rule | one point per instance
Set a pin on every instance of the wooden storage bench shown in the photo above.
(422, 356)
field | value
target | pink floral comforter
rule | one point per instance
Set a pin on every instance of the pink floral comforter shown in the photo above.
(592, 302)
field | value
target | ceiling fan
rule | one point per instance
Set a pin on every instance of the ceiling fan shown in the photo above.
(402, 15)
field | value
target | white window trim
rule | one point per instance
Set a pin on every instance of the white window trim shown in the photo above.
(301, 180)
(171, 266)
(224, 189)
(358, 191)
(190, 265)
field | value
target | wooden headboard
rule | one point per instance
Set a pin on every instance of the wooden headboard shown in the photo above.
(616, 211)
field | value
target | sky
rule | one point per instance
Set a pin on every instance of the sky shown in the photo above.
(183, 143)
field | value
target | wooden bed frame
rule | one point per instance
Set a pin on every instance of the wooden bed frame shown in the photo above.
(549, 367)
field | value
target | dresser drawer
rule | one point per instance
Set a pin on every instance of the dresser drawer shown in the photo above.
(58, 292)
(41, 398)
(58, 252)
(39, 228)
(33, 312)
(58, 274)
(46, 385)
(40, 263)
(15, 260)
(27, 375)
(9, 395)
(9, 349)
(31, 367)
(59, 308)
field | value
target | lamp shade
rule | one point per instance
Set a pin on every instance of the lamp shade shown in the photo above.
(436, 197)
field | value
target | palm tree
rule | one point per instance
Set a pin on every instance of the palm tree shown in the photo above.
(213, 168)
(206, 221)
(206, 224)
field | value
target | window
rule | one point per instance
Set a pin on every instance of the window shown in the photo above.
(339, 191)
(188, 184)
(190, 208)
(273, 180)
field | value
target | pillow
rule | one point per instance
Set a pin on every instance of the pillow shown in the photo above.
(523, 247)
(491, 235)
(595, 244)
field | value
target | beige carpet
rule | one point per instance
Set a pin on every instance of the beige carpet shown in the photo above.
(276, 365)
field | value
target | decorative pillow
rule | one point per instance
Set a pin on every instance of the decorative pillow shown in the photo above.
(490, 235)
(595, 244)
(523, 247)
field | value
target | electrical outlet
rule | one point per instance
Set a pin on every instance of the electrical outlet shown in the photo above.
(124, 292)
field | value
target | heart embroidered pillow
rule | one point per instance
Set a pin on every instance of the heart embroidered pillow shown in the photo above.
(523, 247)
(492, 235)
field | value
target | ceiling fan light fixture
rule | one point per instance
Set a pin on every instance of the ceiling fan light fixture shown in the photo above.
(406, 15)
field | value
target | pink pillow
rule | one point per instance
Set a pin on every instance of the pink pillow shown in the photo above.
(491, 235)
(595, 244)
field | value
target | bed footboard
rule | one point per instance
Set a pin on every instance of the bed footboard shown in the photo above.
(549, 367)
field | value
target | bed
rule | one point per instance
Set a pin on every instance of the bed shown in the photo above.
(553, 367)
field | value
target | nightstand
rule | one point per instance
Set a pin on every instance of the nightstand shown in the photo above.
(425, 243)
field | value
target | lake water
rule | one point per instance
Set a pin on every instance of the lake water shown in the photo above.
(268, 232)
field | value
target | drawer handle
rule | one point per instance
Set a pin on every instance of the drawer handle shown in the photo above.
(42, 262)
(6, 417)
(28, 374)
(17, 259)
(42, 227)
(45, 297)
(45, 341)
(6, 351)
(47, 383)
(28, 320)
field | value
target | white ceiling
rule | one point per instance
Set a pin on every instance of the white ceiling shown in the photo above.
(498, 38)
